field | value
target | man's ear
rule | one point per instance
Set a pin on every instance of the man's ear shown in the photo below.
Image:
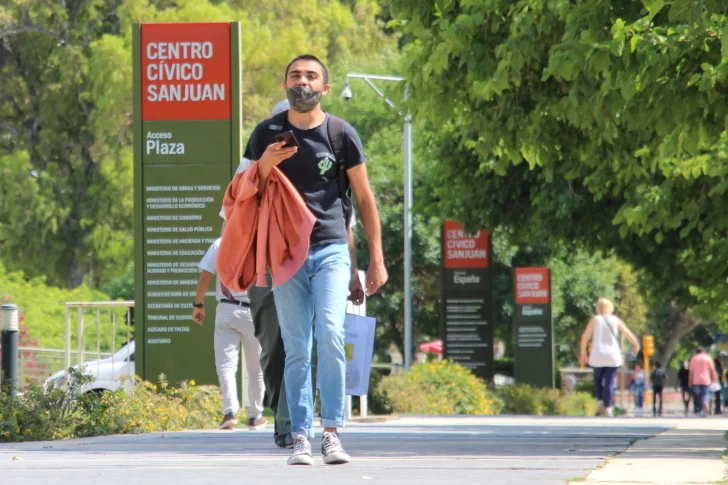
(325, 90)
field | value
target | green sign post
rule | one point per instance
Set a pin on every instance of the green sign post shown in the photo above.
(533, 330)
(467, 316)
(187, 144)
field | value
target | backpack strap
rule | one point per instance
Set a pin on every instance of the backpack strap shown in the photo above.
(337, 137)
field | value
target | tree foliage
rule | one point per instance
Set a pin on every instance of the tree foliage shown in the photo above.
(65, 113)
(600, 124)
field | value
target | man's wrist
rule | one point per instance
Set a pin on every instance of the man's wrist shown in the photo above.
(198, 305)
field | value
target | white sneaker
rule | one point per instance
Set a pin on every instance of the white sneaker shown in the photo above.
(301, 453)
(609, 411)
(332, 450)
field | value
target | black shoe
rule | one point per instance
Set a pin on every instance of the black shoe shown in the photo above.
(283, 441)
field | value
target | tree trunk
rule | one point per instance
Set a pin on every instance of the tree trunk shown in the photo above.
(75, 272)
(681, 324)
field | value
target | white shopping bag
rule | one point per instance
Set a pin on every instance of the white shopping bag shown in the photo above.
(359, 347)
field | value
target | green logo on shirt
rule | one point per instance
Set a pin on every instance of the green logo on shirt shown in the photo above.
(324, 165)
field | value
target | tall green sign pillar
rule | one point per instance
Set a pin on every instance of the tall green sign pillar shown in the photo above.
(533, 330)
(187, 144)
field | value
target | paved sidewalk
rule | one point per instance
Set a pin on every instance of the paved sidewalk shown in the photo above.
(498, 450)
(689, 454)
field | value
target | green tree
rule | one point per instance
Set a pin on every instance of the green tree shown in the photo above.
(597, 123)
(381, 130)
(65, 113)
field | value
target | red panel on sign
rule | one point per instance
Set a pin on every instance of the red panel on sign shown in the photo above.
(532, 286)
(186, 71)
(465, 250)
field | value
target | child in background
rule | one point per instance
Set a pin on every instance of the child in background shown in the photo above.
(639, 386)
(658, 378)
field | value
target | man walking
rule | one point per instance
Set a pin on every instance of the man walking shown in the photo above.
(701, 375)
(268, 332)
(718, 395)
(321, 286)
(657, 379)
(684, 383)
(233, 326)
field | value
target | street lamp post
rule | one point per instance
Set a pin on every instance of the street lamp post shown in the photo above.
(347, 95)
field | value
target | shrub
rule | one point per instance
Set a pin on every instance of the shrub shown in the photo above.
(525, 399)
(378, 402)
(576, 404)
(39, 415)
(522, 399)
(438, 388)
(64, 413)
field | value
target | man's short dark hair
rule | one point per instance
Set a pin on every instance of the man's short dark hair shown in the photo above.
(657, 365)
(309, 57)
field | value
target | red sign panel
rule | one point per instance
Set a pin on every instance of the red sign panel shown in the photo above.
(532, 286)
(186, 71)
(464, 250)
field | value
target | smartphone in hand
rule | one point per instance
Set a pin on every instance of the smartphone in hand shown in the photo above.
(289, 138)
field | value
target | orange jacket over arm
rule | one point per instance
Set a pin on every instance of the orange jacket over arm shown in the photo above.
(274, 234)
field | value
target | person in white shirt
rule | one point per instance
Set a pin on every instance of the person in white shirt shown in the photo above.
(233, 327)
(606, 353)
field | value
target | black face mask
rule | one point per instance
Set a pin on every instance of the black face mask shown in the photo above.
(303, 99)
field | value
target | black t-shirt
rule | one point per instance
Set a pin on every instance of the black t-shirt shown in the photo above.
(682, 376)
(313, 171)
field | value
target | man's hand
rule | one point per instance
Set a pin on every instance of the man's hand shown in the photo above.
(198, 315)
(582, 359)
(376, 277)
(356, 292)
(275, 154)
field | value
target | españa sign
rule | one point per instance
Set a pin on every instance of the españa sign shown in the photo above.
(467, 313)
(532, 327)
(187, 116)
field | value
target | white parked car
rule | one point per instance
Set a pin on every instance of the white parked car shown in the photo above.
(108, 374)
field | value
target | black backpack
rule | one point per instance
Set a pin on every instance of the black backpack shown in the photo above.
(336, 128)
(658, 378)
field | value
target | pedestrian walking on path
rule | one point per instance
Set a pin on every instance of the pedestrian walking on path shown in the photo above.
(606, 355)
(321, 286)
(702, 374)
(658, 378)
(233, 327)
(683, 382)
(639, 386)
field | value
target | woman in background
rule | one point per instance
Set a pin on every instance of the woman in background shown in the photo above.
(606, 355)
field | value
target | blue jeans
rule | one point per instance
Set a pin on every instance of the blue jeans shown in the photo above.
(604, 384)
(702, 398)
(319, 288)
